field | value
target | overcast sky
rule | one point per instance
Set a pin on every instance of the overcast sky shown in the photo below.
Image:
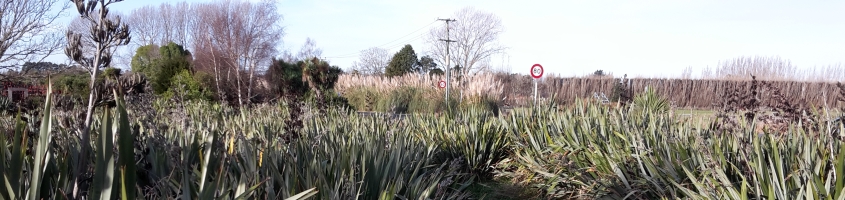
(647, 38)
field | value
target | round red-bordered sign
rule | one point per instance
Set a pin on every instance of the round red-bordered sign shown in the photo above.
(537, 71)
(442, 84)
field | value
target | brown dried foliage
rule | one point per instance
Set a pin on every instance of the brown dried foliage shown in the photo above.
(841, 98)
(765, 102)
(683, 93)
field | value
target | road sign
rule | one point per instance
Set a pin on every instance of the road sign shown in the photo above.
(442, 84)
(537, 71)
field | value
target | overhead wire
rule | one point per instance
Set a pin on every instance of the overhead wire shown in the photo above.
(389, 48)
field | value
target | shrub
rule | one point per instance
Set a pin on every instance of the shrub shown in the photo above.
(485, 103)
(621, 91)
(160, 65)
(398, 101)
(111, 73)
(189, 87)
(408, 99)
(73, 84)
(363, 98)
(650, 102)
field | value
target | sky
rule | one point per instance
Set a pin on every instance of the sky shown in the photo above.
(646, 38)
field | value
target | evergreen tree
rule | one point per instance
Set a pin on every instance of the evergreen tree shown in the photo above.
(403, 62)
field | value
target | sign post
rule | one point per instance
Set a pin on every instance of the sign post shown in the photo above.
(536, 73)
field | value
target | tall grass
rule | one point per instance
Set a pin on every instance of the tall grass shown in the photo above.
(414, 93)
(772, 68)
(479, 85)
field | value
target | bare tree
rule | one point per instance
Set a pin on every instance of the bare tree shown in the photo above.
(764, 68)
(238, 37)
(287, 56)
(687, 73)
(476, 34)
(27, 31)
(147, 30)
(170, 24)
(174, 23)
(208, 58)
(106, 34)
(372, 61)
(309, 50)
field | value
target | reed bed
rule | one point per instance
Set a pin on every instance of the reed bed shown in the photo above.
(684, 93)
(517, 90)
(418, 93)
(479, 85)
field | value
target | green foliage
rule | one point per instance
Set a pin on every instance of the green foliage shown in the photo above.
(595, 152)
(161, 65)
(111, 73)
(334, 99)
(285, 79)
(312, 79)
(403, 62)
(583, 151)
(24, 172)
(484, 103)
(6, 105)
(474, 136)
(363, 98)
(436, 72)
(74, 84)
(650, 102)
(408, 99)
(621, 91)
(319, 74)
(42, 67)
(426, 65)
(190, 87)
(144, 58)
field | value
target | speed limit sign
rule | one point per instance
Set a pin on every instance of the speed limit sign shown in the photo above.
(442, 84)
(537, 71)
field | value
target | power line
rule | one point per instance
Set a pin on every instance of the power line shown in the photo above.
(389, 48)
(388, 43)
(426, 26)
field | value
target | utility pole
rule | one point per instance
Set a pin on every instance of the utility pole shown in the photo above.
(448, 58)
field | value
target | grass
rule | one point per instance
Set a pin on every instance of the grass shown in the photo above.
(696, 116)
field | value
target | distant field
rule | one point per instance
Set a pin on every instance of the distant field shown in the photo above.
(696, 116)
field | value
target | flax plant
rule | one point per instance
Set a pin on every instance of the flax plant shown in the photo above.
(592, 151)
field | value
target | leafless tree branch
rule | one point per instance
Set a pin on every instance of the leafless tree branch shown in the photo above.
(236, 38)
(477, 34)
(372, 61)
(27, 31)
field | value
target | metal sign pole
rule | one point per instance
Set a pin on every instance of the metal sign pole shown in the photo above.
(535, 93)
(536, 73)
